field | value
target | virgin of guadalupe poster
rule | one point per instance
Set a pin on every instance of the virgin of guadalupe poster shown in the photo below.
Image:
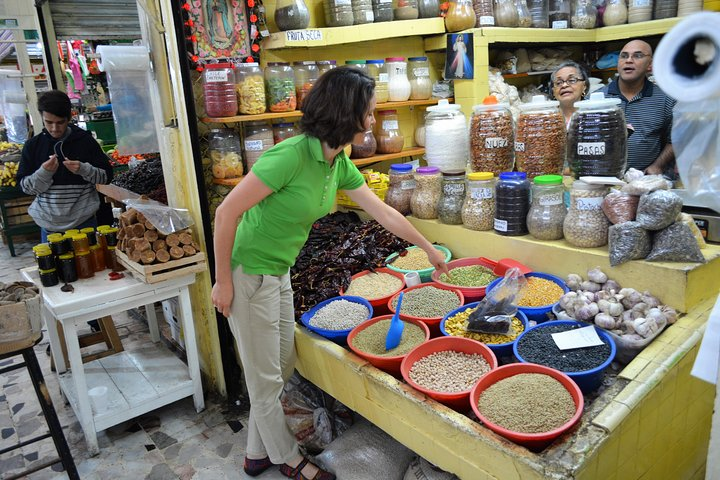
(220, 28)
(459, 56)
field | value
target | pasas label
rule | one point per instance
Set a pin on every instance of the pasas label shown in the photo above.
(591, 148)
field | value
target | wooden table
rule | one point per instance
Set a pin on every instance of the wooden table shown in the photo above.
(138, 381)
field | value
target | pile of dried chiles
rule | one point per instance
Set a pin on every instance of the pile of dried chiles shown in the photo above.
(142, 179)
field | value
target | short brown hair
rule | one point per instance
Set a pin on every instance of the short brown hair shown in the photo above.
(55, 102)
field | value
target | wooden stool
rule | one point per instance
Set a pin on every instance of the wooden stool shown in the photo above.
(107, 335)
(25, 349)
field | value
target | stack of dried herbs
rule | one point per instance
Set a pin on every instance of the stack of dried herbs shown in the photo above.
(339, 246)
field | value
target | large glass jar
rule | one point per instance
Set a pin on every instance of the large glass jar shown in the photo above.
(478, 211)
(258, 140)
(524, 17)
(362, 12)
(225, 153)
(280, 87)
(325, 66)
(506, 14)
(282, 131)
(585, 224)
(640, 11)
(419, 76)
(400, 189)
(429, 8)
(512, 204)
(358, 64)
(584, 14)
(539, 13)
(382, 10)
(452, 197)
(219, 90)
(446, 137)
(405, 9)
(547, 212)
(398, 83)
(387, 132)
(338, 13)
(484, 13)
(460, 16)
(291, 15)
(597, 138)
(250, 88)
(665, 9)
(377, 70)
(491, 137)
(425, 197)
(688, 7)
(616, 13)
(366, 148)
(540, 138)
(559, 13)
(305, 74)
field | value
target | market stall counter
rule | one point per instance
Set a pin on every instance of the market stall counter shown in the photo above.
(650, 419)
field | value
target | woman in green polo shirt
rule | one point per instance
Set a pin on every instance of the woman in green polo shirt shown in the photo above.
(291, 186)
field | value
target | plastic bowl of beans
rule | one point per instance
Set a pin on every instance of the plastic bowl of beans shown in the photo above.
(455, 324)
(541, 294)
(447, 368)
(414, 259)
(470, 275)
(376, 287)
(367, 340)
(428, 303)
(335, 317)
(528, 404)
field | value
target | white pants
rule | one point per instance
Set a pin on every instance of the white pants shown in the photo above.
(262, 320)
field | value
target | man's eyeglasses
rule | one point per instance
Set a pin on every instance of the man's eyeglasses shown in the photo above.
(570, 81)
(635, 55)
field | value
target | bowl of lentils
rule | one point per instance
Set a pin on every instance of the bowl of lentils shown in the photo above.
(427, 303)
(414, 259)
(470, 275)
(585, 366)
(455, 323)
(376, 287)
(447, 368)
(367, 340)
(335, 317)
(540, 295)
(528, 404)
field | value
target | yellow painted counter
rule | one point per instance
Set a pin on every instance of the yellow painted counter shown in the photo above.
(652, 423)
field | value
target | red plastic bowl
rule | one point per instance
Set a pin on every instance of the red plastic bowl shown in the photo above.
(388, 364)
(432, 322)
(533, 441)
(456, 400)
(472, 294)
(380, 304)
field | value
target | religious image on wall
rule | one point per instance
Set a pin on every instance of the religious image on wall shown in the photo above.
(220, 28)
(459, 56)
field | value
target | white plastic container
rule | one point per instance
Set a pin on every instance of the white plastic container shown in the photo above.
(446, 137)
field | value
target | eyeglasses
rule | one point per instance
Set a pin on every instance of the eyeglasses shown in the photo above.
(570, 81)
(635, 55)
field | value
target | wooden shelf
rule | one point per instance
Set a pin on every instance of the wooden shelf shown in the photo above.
(230, 182)
(408, 152)
(526, 74)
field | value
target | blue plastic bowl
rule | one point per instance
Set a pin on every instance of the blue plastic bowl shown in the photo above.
(337, 336)
(425, 273)
(587, 380)
(536, 314)
(499, 349)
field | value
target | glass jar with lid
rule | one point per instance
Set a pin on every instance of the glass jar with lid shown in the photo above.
(484, 13)
(387, 132)
(524, 17)
(258, 140)
(225, 153)
(377, 70)
(584, 14)
(325, 66)
(616, 13)
(338, 13)
(585, 224)
(362, 12)
(280, 87)
(219, 90)
(478, 211)
(539, 13)
(559, 13)
(547, 211)
(398, 83)
(250, 87)
(452, 197)
(400, 188)
(291, 15)
(492, 138)
(382, 10)
(506, 14)
(460, 16)
(597, 138)
(512, 204)
(666, 9)
(405, 9)
(419, 76)
(429, 8)
(540, 138)
(446, 137)
(306, 74)
(358, 64)
(640, 11)
(282, 131)
(425, 197)
(366, 148)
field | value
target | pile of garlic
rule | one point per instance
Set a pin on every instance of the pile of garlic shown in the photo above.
(624, 311)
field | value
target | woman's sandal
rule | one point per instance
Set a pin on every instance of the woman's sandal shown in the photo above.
(255, 467)
(296, 473)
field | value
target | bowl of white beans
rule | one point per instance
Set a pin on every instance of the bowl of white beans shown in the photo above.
(335, 317)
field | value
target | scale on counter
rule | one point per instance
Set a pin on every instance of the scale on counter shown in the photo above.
(707, 219)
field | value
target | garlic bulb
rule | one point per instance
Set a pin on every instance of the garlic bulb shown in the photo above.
(573, 281)
(603, 320)
(590, 286)
(596, 275)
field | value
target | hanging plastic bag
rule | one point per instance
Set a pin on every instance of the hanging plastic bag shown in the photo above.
(166, 219)
(496, 311)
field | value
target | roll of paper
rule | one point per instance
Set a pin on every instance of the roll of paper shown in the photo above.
(123, 57)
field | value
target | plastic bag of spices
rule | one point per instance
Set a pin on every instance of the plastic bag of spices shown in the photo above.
(496, 311)
(628, 241)
(620, 207)
(675, 243)
(658, 210)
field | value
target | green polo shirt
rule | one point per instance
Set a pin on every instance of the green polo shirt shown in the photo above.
(272, 233)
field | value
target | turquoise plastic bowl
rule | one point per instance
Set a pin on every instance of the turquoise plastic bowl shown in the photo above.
(536, 314)
(337, 336)
(425, 273)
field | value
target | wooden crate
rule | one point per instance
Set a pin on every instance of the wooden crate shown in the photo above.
(159, 272)
(16, 211)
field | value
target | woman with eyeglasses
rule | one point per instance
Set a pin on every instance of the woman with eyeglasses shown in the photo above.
(569, 85)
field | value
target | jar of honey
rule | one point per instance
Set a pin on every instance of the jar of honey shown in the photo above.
(80, 243)
(114, 264)
(84, 265)
(98, 258)
(66, 268)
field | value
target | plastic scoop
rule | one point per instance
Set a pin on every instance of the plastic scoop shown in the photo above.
(396, 327)
(503, 265)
